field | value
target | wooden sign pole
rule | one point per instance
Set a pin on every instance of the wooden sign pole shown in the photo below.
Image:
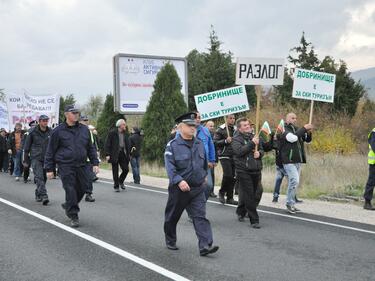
(258, 91)
(311, 111)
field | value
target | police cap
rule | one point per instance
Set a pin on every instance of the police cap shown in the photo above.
(187, 118)
(71, 108)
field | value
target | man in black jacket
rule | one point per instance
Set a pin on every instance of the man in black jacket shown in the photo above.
(117, 149)
(248, 163)
(135, 153)
(225, 154)
(292, 154)
(69, 146)
(34, 152)
(3, 150)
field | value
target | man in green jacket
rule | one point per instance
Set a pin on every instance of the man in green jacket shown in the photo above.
(369, 191)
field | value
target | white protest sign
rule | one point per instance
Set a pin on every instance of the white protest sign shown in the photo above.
(314, 85)
(23, 108)
(4, 116)
(260, 71)
(222, 102)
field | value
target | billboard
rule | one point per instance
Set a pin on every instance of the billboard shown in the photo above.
(134, 77)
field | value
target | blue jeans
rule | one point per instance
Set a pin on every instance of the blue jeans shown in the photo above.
(210, 184)
(292, 172)
(280, 174)
(17, 163)
(135, 162)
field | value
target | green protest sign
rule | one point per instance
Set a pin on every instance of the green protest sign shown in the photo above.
(222, 102)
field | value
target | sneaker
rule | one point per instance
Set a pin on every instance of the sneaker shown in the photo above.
(255, 225)
(290, 209)
(296, 210)
(122, 186)
(297, 200)
(17, 178)
(117, 189)
(221, 198)
(209, 250)
(275, 199)
(25, 181)
(172, 247)
(95, 179)
(38, 198)
(213, 195)
(74, 222)
(231, 201)
(89, 198)
(241, 218)
(45, 200)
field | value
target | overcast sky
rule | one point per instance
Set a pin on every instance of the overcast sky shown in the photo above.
(66, 46)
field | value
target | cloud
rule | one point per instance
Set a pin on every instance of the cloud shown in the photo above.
(66, 46)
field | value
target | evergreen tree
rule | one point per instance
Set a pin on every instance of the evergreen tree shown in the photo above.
(347, 91)
(165, 105)
(69, 99)
(212, 70)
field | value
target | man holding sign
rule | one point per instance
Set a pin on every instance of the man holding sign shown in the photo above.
(292, 154)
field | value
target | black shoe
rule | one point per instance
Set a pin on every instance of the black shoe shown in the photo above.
(122, 186)
(275, 199)
(45, 200)
(221, 198)
(63, 205)
(89, 198)
(213, 195)
(137, 182)
(255, 225)
(297, 200)
(209, 250)
(368, 206)
(74, 222)
(95, 179)
(296, 209)
(117, 189)
(25, 181)
(241, 218)
(231, 201)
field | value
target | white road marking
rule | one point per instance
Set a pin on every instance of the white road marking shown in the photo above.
(156, 268)
(266, 212)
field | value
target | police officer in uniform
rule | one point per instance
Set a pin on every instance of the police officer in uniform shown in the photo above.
(369, 191)
(186, 165)
(69, 146)
(35, 149)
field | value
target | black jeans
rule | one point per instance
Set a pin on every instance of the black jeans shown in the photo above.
(228, 181)
(248, 185)
(369, 191)
(123, 161)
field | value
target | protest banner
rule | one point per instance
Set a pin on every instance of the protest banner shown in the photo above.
(24, 108)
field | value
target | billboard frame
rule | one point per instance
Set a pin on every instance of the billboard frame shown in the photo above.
(116, 80)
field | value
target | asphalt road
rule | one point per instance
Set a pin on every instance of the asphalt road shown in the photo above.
(121, 238)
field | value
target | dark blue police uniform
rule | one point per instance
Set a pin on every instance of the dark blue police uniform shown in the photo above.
(69, 147)
(186, 160)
